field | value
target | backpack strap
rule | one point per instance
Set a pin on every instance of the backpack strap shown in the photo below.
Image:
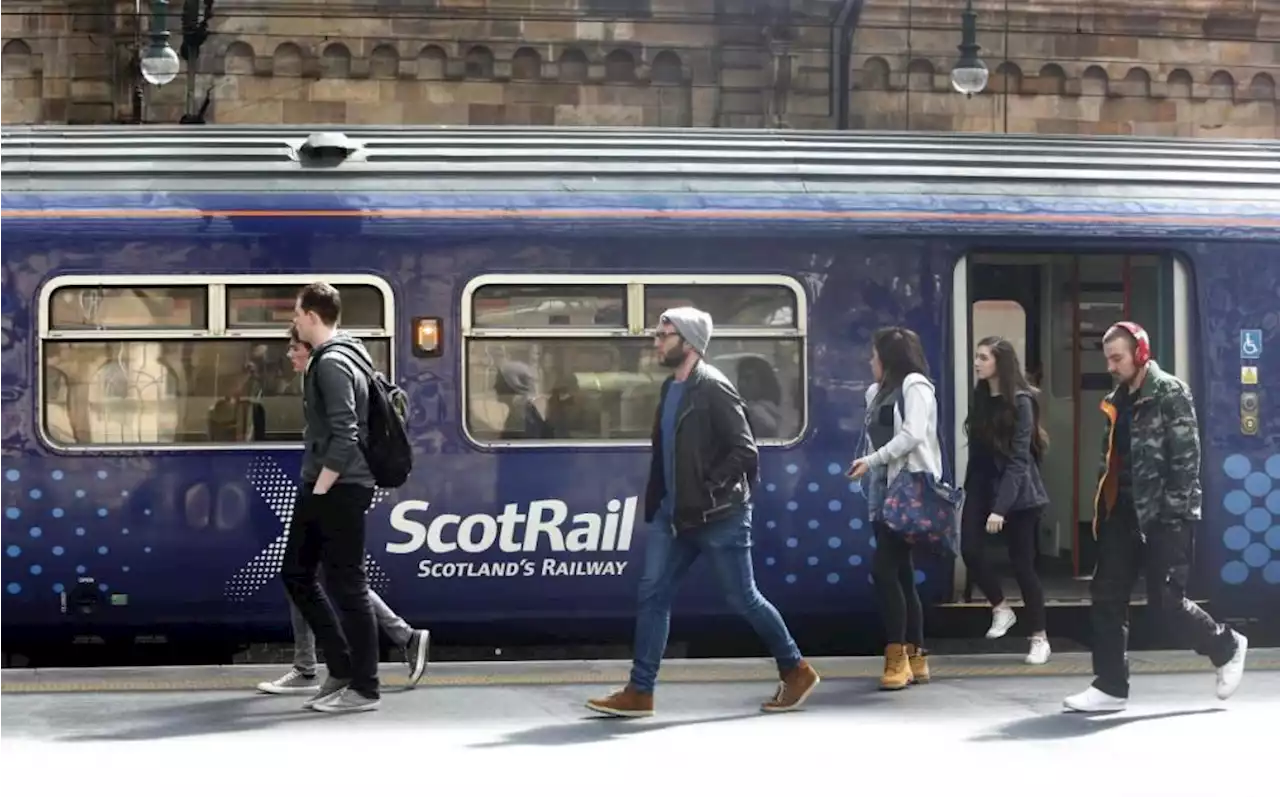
(341, 348)
(942, 444)
(354, 358)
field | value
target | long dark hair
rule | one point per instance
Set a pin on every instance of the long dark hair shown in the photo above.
(901, 355)
(994, 423)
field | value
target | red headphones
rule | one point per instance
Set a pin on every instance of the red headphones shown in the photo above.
(1142, 349)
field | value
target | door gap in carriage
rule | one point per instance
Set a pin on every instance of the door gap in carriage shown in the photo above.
(1055, 307)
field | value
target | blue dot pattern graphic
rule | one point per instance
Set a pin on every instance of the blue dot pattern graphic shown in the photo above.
(1253, 500)
(56, 526)
(825, 515)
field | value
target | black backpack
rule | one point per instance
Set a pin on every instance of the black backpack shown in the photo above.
(387, 449)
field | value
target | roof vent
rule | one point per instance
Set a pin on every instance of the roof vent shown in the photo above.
(327, 150)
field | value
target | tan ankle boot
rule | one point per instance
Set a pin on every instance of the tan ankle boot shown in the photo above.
(919, 665)
(897, 671)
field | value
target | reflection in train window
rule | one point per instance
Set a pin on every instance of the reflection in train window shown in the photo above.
(729, 305)
(89, 307)
(175, 392)
(527, 306)
(607, 389)
(272, 306)
(160, 364)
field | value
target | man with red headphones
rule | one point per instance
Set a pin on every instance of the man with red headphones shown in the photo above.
(1147, 503)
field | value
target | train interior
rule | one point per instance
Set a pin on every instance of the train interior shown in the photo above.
(1055, 306)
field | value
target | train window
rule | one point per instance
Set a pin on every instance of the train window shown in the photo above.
(729, 305)
(525, 386)
(100, 307)
(163, 371)
(525, 306)
(260, 306)
(175, 392)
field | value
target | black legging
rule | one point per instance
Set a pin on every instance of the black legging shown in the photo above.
(1020, 531)
(895, 578)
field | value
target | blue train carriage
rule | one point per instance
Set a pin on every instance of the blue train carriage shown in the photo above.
(509, 280)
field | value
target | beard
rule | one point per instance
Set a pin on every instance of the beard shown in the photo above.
(672, 359)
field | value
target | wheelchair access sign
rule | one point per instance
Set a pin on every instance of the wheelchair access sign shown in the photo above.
(1250, 344)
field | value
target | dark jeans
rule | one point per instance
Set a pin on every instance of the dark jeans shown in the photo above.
(1164, 560)
(727, 546)
(1019, 531)
(328, 530)
(895, 577)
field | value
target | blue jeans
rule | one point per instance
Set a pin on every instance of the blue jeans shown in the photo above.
(668, 557)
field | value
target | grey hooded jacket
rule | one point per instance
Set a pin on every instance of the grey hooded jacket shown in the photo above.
(335, 401)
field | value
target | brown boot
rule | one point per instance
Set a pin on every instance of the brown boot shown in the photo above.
(625, 702)
(919, 664)
(793, 688)
(897, 671)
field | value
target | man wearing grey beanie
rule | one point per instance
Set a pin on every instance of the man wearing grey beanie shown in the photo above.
(698, 503)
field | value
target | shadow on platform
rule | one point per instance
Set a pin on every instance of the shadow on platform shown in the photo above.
(1070, 725)
(230, 715)
(592, 729)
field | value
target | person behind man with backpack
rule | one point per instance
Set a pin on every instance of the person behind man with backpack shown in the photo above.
(301, 678)
(338, 482)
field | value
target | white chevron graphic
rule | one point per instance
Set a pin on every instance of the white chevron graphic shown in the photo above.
(280, 491)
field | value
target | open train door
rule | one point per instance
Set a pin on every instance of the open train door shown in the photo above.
(1055, 306)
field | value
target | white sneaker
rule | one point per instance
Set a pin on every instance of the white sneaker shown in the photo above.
(1229, 674)
(1002, 619)
(1039, 651)
(1093, 700)
(292, 683)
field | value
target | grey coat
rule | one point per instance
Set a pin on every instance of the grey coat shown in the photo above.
(1020, 486)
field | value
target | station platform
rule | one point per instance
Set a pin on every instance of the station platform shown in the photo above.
(983, 722)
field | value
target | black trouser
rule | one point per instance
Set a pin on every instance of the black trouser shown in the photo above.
(1164, 560)
(1019, 531)
(895, 577)
(328, 530)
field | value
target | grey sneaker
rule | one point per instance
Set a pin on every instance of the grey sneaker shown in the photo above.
(347, 701)
(295, 682)
(416, 656)
(332, 686)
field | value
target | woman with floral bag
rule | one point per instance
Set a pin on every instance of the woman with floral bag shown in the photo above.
(902, 478)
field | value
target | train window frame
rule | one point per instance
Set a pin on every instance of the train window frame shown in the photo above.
(216, 328)
(634, 329)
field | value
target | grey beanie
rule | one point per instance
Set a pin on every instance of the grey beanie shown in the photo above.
(692, 324)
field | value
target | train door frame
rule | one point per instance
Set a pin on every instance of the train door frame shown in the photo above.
(1183, 336)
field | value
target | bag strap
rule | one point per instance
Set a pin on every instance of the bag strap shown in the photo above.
(341, 347)
(942, 443)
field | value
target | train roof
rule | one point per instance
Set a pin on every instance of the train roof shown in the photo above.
(294, 159)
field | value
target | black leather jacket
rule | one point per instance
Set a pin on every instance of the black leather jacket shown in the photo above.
(716, 459)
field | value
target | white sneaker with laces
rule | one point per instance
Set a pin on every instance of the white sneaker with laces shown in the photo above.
(1230, 674)
(1039, 651)
(1095, 700)
(292, 683)
(1002, 619)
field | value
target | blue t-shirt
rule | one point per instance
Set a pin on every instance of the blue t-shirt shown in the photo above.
(670, 407)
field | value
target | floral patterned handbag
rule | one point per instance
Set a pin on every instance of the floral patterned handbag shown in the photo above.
(919, 508)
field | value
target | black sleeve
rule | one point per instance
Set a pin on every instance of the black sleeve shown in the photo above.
(729, 423)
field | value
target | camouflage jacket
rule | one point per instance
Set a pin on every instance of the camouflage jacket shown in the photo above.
(1164, 450)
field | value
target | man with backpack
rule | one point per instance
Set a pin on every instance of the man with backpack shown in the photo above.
(413, 642)
(354, 441)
